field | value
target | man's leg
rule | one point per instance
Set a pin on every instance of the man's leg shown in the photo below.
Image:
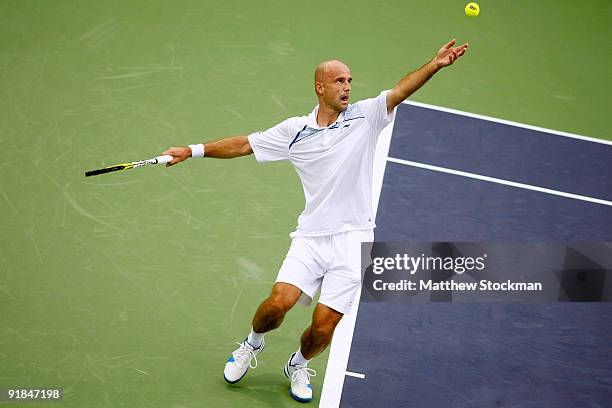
(341, 282)
(271, 312)
(319, 334)
(269, 316)
(314, 340)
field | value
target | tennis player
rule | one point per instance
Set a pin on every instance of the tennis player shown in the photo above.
(332, 150)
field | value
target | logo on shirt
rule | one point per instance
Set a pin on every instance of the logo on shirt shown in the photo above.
(351, 113)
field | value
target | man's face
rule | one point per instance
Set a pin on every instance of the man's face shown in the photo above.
(335, 88)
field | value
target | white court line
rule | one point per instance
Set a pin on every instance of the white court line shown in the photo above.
(343, 335)
(509, 122)
(356, 375)
(500, 181)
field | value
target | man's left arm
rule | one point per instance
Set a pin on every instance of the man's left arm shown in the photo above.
(416, 79)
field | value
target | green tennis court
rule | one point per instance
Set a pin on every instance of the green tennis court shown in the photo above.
(130, 289)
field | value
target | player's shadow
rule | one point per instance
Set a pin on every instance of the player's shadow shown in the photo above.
(268, 388)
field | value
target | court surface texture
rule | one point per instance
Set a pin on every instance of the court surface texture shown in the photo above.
(130, 289)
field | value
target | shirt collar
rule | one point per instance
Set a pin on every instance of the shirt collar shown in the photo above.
(312, 119)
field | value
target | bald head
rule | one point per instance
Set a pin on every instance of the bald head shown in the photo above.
(329, 68)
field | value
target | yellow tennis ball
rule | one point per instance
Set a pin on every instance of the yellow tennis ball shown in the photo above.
(472, 9)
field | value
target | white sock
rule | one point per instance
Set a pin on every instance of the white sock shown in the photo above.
(299, 359)
(255, 339)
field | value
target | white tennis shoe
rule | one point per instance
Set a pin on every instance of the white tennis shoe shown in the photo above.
(300, 389)
(243, 358)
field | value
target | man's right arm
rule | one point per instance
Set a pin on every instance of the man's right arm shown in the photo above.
(227, 148)
(416, 79)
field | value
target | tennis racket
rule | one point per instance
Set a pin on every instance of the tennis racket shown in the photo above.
(128, 166)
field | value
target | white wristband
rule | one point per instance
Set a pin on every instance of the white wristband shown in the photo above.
(197, 150)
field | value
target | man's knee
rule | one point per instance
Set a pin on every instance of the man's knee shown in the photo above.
(277, 305)
(323, 332)
(324, 322)
(283, 297)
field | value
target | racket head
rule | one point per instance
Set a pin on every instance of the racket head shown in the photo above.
(108, 169)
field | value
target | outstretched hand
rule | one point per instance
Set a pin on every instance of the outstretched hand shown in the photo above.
(448, 54)
(179, 154)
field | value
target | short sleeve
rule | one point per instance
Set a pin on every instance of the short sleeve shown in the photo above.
(375, 111)
(272, 144)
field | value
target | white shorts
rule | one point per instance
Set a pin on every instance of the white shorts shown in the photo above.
(331, 263)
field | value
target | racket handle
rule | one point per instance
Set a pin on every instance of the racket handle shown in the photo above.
(164, 159)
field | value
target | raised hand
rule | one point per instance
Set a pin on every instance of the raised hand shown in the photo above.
(449, 54)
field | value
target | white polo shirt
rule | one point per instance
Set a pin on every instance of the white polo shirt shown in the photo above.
(334, 163)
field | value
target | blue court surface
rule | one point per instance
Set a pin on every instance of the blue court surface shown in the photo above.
(457, 177)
